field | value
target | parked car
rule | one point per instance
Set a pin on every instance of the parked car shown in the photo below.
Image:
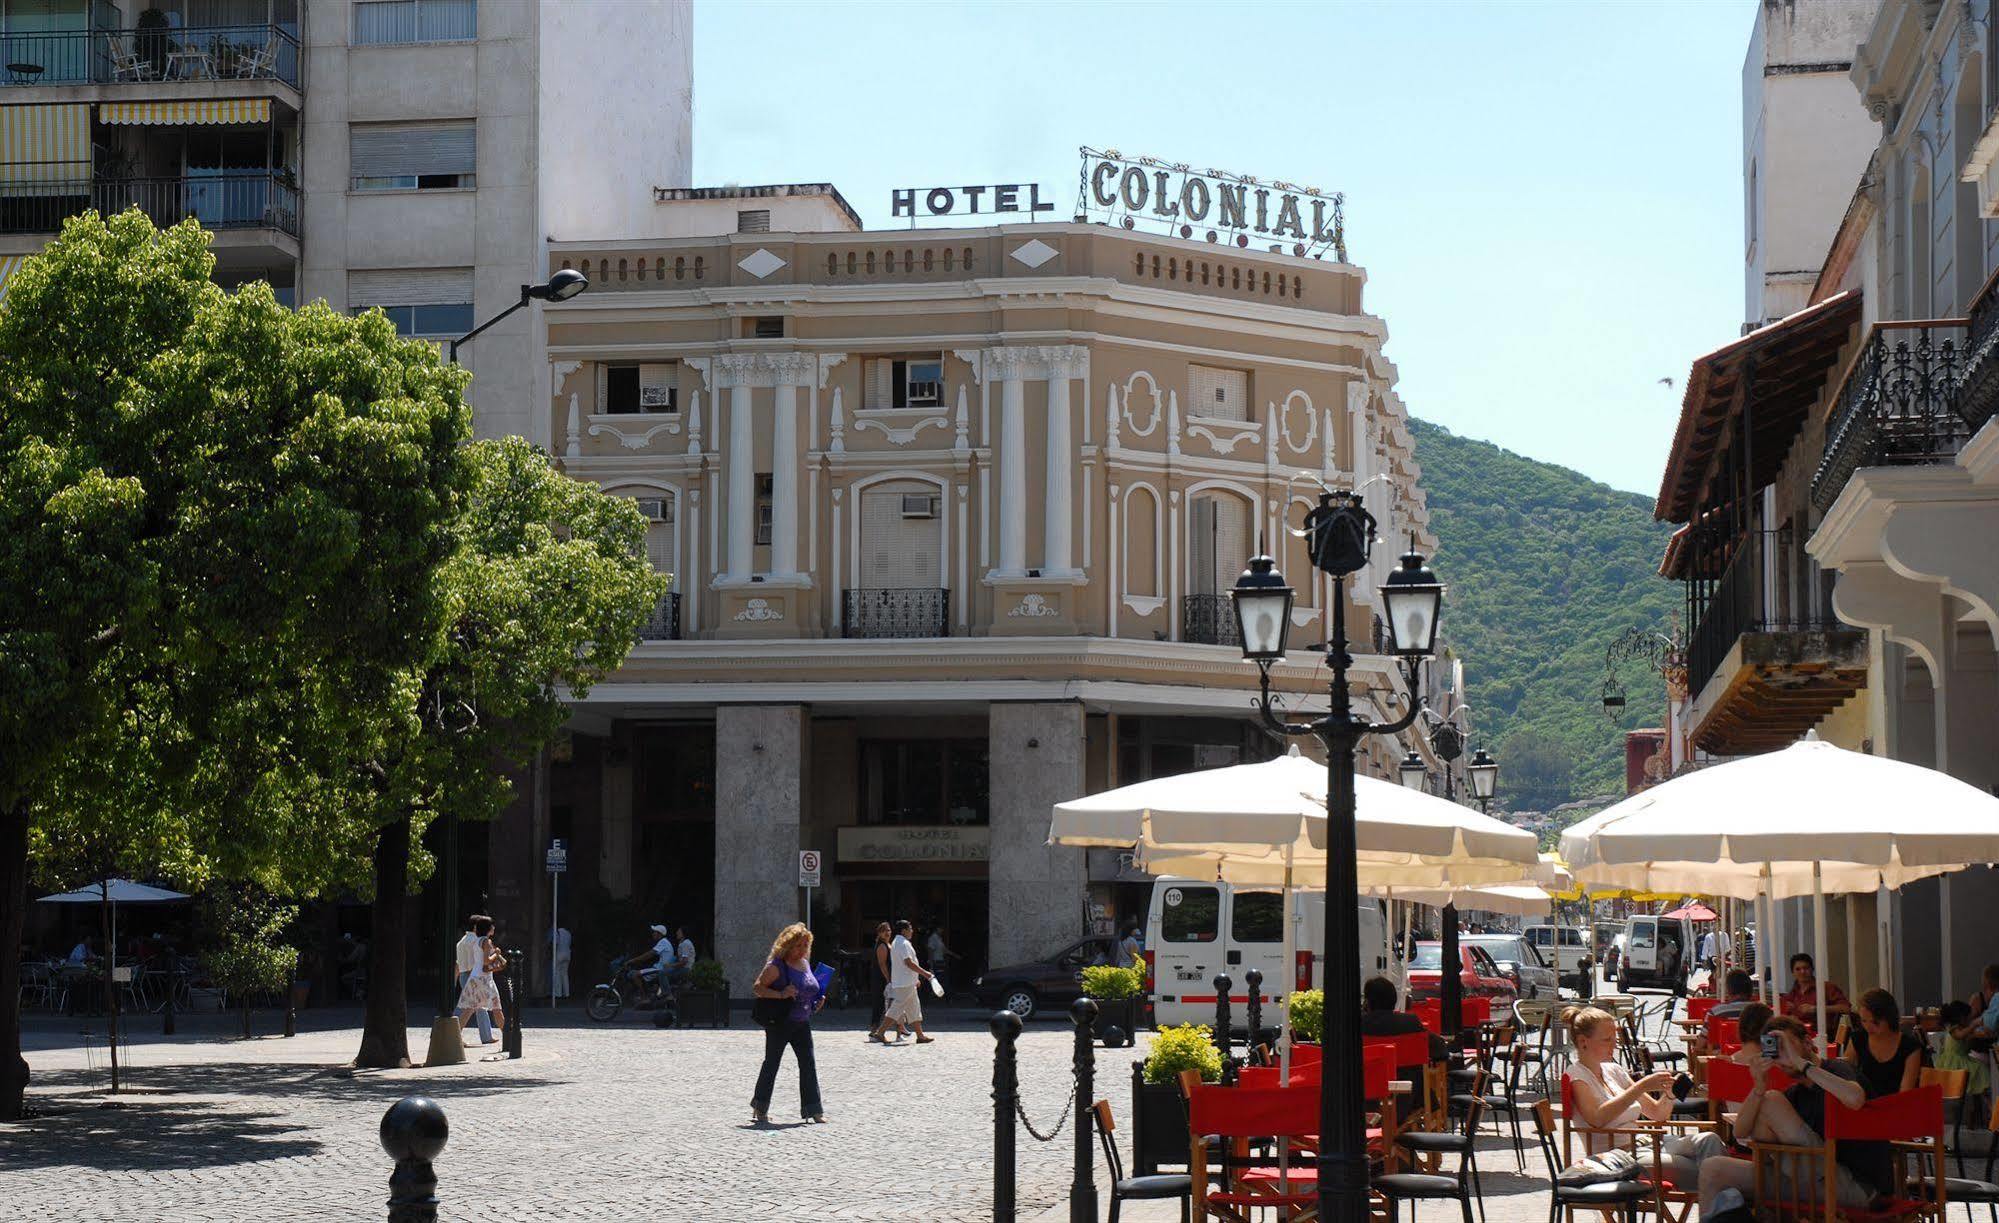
(1480, 975)
(1521, 962)
(1051, 982)
(1563, 947)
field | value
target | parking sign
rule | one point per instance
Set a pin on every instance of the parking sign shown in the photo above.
(808, 868)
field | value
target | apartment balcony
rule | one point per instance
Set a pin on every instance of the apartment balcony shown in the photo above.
(1978, 394)
(1900, 404)
(1764, 669)
(895, 612)
(1209, 620)
(664, 623)
(162, 60)
(258, 208)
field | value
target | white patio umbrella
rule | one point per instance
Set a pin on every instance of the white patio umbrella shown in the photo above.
(110, 893)
(1803, 821)
(1514, 900)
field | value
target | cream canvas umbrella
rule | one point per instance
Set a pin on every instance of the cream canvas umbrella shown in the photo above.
(1803, 821)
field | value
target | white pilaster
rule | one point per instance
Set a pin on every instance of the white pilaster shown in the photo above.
(741, 461)
(783, 373)
(1058, 522)
(784, 480)
(1013, 473)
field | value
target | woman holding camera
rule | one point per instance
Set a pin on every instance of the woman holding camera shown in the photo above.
(1795, 1116)
(1607, 1098)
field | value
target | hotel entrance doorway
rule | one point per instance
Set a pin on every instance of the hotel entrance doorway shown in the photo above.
(957, 905)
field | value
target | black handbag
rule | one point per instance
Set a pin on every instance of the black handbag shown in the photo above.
(769, 1012)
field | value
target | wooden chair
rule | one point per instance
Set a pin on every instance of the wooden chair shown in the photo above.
(1671, 1202)
(1729, 1082)
(1565, 1200)
(1398, 1187)
(1138, 1188)
(1981, 1192)
(1223, 1121)
(1953, 1083)
(1911, 1122)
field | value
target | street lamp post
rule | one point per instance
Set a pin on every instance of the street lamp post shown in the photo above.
(560, 287)
(1340, 533)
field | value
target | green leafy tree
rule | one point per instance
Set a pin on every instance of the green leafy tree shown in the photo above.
(220, 524)
(251, 957)
(546, 593)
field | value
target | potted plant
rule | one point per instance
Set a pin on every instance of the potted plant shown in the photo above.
(1118, 993)
(1308, 1016)
(1158, 1114)
(705, 997)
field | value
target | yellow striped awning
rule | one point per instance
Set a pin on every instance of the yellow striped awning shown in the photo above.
(9, 264)
(223, 110)
(45, 144)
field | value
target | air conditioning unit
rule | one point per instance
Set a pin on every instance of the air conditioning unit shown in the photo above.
(919, 505)
(656, 387)
(656, 509)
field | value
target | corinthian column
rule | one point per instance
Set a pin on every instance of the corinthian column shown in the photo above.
(784, 480)
(742, 520)
(1056, 525)
(1013, 471)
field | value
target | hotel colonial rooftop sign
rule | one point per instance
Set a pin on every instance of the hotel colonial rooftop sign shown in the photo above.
(1173, 197)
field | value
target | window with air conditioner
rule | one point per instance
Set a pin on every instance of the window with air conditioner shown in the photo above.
(904, 382)
(919, 505)
(411, 156)
(1220, 394)
(644, 388)
(767, 328)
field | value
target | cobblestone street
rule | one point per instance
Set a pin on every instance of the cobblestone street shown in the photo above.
(618, 1122)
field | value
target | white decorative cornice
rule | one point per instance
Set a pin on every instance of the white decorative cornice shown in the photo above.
(634, 440)
(974, 357)
(1040, 361)
(700, 365)
(1224, 435)
(559, 372)
(765, 369)
(827, 360)
(903, 436)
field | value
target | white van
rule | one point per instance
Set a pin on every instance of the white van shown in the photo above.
(1199, 928)
(1575, 952)
(1655, 954)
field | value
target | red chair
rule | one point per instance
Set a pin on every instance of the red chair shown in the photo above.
(1672, 1203)
(1475, 1011)
(1724, 1030)
(1431, 1012)
(1911, 1122)
(1235, 1115)
(1729, 1082)
(1698, 1008)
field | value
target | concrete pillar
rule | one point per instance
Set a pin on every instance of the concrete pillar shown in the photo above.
(742, 461)
(784, 480)
(1013, 472)
(614, 861)
(1058, 522)
(1036, 891)
(760, 755)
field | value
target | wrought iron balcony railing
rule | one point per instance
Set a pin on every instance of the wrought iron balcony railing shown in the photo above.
(195, 53)
(1209, 620)
(221, 201)
(1898, 405)
(1978, 397)
(1740, 603)
(895, 612)
(664, 625)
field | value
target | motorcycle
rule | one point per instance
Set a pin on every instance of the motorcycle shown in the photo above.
(628, 984)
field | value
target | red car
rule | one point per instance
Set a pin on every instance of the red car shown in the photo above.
(1481, 977)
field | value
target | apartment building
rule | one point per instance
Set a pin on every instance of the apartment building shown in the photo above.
(412, 155)
(1835, 474)
(951, 516)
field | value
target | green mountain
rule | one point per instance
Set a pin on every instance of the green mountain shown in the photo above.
(1545, 567)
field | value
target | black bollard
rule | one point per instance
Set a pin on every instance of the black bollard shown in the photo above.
(512, 976)
(1006, 1089)
(291, 1005)
(1083, 1185)
(414, 1132)
(1253, 979)
(1222, 987)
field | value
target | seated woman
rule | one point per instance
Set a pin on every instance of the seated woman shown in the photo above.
(1607, 1098)
(1887, 1059)
(1956, 1054)
(1796, 1117)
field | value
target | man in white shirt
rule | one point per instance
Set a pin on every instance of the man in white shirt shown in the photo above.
(655, 963)
(906, 978)
(468, 963)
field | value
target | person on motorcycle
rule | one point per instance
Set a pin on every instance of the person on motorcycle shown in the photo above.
(682, 966)
(653, 965)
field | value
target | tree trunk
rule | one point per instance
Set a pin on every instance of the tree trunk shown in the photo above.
(246, 1016)
(13, 915)
(385, 1040)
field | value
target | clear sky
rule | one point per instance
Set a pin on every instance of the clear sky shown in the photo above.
(1547, 197)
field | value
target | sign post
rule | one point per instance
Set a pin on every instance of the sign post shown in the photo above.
(558, 863)
(808, 877)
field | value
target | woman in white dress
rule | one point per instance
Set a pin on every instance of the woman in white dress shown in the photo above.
(480, 994)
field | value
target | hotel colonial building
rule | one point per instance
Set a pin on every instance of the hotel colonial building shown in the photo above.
(951, 516)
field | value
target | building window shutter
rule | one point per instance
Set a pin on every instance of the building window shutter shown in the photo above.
(880, 388)
(410, 150)
(409, 287)
(657, 390)
(1218, 393)
(753, 221)
(897, 553)
(1201, 547)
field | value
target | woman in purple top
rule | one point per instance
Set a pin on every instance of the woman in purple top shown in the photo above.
(788, 974)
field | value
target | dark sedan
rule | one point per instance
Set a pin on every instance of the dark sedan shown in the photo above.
(1051, 983)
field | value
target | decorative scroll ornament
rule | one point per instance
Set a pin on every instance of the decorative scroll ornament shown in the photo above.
(759, 610)
(1034, 606)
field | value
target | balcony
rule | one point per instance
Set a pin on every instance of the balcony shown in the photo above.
(895, 612)
(1209, 620)
(1899, 405)
(220, 202)
(1763, 667)
(664, 623)
(165, 56)
(1978, 394)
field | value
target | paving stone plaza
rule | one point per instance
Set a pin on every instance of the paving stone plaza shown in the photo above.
(619, 1122)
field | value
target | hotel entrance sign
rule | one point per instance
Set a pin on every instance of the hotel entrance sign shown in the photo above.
(1173, 197)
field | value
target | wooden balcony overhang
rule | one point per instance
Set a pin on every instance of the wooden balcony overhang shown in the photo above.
(1786, 364)
(1775, 685)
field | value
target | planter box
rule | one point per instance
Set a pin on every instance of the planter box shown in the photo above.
(1121, 1013)
(1158, 1125)
(710, 1007)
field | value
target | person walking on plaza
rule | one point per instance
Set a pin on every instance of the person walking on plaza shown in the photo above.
(877, 1023)
(471, 959)
(479, 996)
(906, 978)
(559, 964)
(934, 947)
(788, 974)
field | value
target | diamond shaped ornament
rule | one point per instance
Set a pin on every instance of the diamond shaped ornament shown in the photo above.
(760, 263)
(1034, 253)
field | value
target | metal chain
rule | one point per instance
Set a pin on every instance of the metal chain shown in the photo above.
(1020, 1112)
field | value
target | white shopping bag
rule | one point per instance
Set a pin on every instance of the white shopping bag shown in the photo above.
(936, 987)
